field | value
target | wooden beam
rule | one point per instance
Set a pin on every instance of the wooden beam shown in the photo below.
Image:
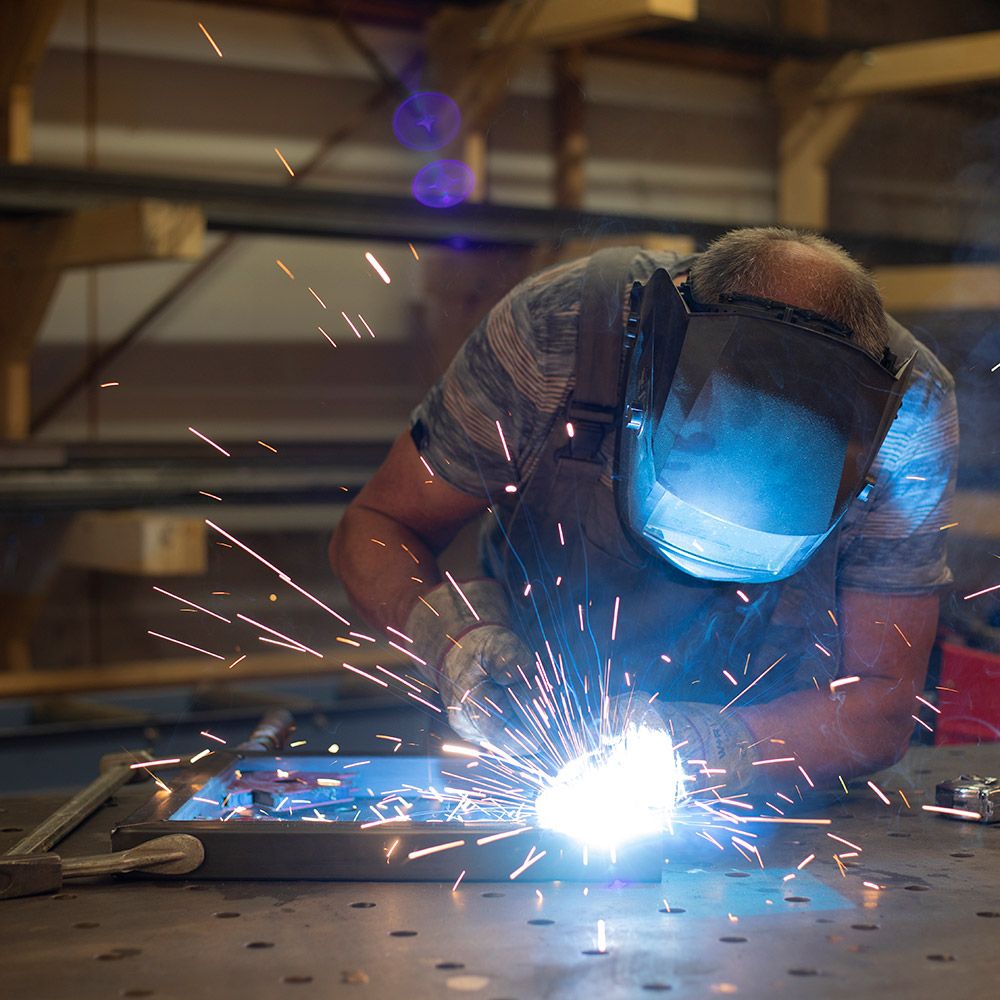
(569, 113)
(940, 287)
(805, 18)
(804, 152)
(939, 62)
(571, 22)
(141, 543)
(24, 30)
(34, 250)
(119, 233)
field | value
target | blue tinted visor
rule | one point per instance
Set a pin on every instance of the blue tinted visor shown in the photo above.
(747, 430)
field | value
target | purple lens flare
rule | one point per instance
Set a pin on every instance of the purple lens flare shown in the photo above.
(427, 120)
(443, 183)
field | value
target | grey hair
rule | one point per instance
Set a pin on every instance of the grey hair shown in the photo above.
(746, 261)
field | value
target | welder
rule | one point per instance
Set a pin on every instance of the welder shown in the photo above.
(714, 485)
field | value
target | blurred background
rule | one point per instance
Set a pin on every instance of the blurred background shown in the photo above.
(188, 192)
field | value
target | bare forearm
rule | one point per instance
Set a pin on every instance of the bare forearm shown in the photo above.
(383, 566)
(863, 728)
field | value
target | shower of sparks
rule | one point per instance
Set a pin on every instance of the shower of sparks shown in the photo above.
(155, 763)
(614, 620)
(208, 440)
(285, 164)
(284, 268)
(316, 296)
(187, 645)
(364, 323)
(503, 441)
(378, 268)
(979, 593)
(758, 678)
(458, 880)
(413, 250)
(211, 40)
(210, 736)
(347, 320)
(264, 444)
(948, 811)
(841, 681)
(238, 660)
(284, 577)
(194, 760)
(878, 791)
(184, 600)
(109, 385)
(325, 334)
(436, 849)
(211, 496)
(461, 593)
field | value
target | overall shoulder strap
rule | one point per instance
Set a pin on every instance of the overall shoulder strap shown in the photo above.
(592, 406)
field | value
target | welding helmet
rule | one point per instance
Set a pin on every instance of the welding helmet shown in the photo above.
(747, 429)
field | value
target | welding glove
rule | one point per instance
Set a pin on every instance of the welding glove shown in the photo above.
(472, 656)
(715, 748)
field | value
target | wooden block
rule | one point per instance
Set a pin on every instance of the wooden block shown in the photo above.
(939, 287)
(565, 22)
(143, 543)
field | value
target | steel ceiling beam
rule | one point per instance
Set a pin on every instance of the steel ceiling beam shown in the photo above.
(316, 212)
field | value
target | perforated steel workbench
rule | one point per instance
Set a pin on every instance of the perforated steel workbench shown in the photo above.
(931, 930)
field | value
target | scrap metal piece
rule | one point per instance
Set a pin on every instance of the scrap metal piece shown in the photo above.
(971, 793)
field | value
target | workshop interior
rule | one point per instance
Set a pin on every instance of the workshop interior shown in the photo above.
(241, 241)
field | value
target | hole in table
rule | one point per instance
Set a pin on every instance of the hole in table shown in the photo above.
(541, 922)
(916, 888)
(259, 944)
(136, 991)
(362, 906)
(803, 972)
(865, 927)
(941, 958)
(593, 951)
(86, 925)
(798, 899)
(962, 854)
(733, 939)
(657, 987)
(11, 829)
(491, 895)
(402, 933)
(226, 914)
(899, 833)
(450, 965)
(737, 874)
(297, 979)
(987, 913)
(64, 895)
(196, 888)
(672, 910)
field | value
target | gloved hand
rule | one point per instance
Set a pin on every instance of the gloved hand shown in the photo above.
(717, 748)
(471, 660)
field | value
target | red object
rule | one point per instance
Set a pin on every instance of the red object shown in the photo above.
(968, 696)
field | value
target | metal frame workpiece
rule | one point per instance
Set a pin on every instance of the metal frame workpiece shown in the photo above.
(916, 914)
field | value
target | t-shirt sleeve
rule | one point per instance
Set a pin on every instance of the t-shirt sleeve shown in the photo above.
(482, 426)
(896, 542)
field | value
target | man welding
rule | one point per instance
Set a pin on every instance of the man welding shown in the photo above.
(716, 488)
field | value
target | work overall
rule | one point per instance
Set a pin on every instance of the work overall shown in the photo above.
(599, 608)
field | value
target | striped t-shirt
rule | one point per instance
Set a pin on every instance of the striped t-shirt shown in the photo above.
(517, 369)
